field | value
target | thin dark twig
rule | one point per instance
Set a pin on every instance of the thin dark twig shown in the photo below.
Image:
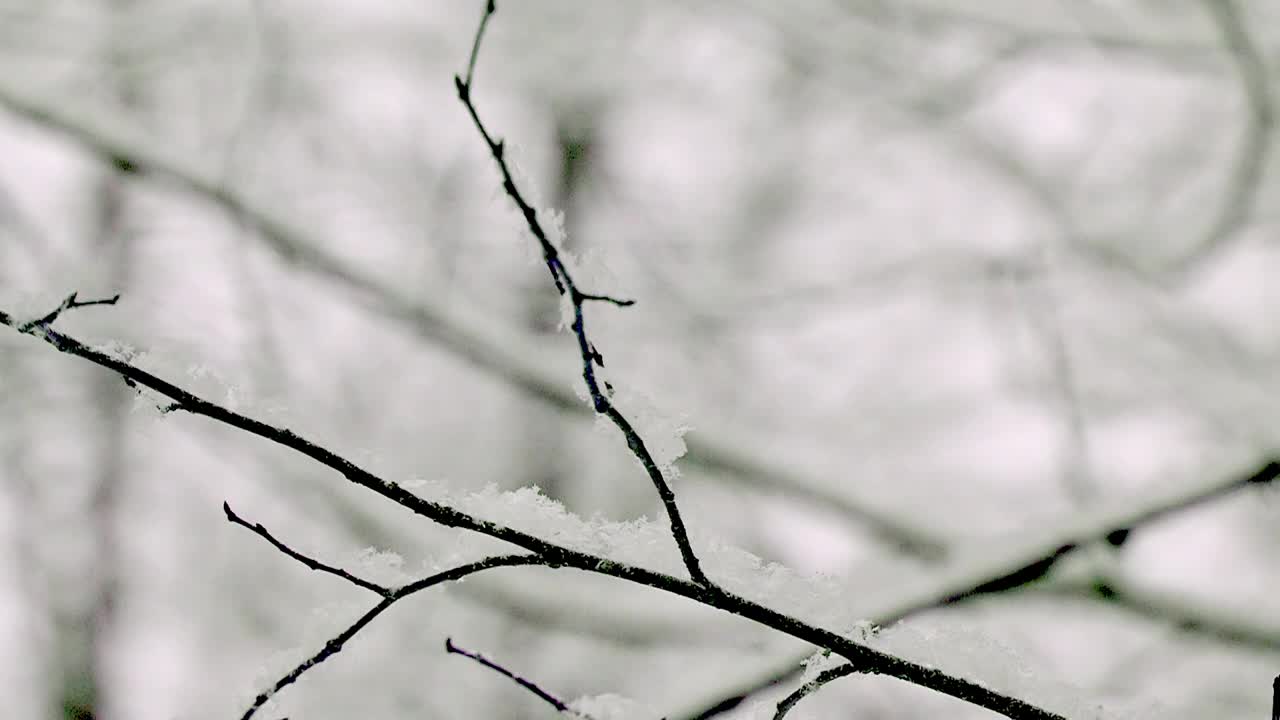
(335, 644)
(607, 299)
(489, 9)
(800, 693)
(310, 562)
(564, 283)
(529, 685)
(70, 303)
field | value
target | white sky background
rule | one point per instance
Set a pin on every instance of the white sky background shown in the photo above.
(893, 248)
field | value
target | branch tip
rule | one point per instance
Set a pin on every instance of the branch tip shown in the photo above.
(71, 302)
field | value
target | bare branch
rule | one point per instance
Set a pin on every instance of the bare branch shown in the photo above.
(310, 562)
(532, 687)
(489, 10)
(335, 644)
(70, 303)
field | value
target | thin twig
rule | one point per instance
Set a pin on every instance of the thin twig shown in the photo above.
(787, 703)
(70, 303)
(591, 357)
(529, 685)
(489, 9)
(310, 562)
(335, 644)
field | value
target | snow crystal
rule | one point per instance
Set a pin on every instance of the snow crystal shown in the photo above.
(662, 431)
(641, 542)
(380, 566)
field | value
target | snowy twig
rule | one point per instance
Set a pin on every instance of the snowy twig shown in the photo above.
(335, 644)
(564, 282)
(787, 703)
(390, 596)
(476, 340)
(545, 552)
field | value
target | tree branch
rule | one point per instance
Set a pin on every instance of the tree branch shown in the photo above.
(552, 700)
(549, 554)
(335, 644)
(478, 340)
(1006, 565)
(787, 703)
(591, 357)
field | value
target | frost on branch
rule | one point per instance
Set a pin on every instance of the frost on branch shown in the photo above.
(589, 270)
(820, 599)
(819, 662)
(611, 707)
(380, 566)
(210, 384)
(202, 380)
(640, 542)
(662, 430)
(950, 645)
